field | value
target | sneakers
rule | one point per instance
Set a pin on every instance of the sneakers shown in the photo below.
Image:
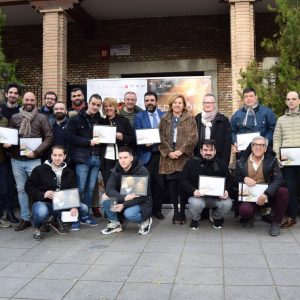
(194, 225)
(57, 225)
(145, 226)
(274, 229)
(4, 223)
(75, 226)
(217, 223)
(88, 221)
(37, 234)
(112, 227)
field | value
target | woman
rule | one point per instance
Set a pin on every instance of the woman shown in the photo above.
(124, 137)
(178, 133)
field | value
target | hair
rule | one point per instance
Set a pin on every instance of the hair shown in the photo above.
(211, 143)
(13, 85)
(125, 149)
(97, 96)
(173, 98)
(110, 101)
(75, 89)
(151, 94)
(248, 90)
(131, 93)
(60, 147)
(51, 93)
(260, 138)
(209, 95)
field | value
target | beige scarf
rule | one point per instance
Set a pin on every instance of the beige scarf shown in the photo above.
(28, 116)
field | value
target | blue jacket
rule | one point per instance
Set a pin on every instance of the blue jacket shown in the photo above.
(265, 119)
(142, 121)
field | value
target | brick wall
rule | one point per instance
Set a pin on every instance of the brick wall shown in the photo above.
(150, 39)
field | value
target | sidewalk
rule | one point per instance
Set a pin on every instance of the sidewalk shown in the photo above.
(172, 262)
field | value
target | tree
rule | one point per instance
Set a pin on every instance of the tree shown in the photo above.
(273, 85)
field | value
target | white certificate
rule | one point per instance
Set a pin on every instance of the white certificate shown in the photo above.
(67, 217)
(9, 136)
(251, 193)
(290, 156)
(211, 186)
(65, 199)
(104, 134)
(147, 136)
(244, 139)
(29, 144)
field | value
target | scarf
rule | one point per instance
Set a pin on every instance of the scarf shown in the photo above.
(250, 112)
(80, 107)
(174, 122)
(206, 120)
(27, 117)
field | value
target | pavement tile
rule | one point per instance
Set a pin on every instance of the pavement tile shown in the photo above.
(286, 276)
(245, 261)
(10, 254)
(145, 291)
(284, 237)
(36, 255)
(150, 259)
(46, 289)
(10, 286)
(169, 247)
(283, 261)
(195, 291)
(288, 292)
(281, 248)
(251, 293)
(135, 246)
(202, 260)
(208, 235)
(240, 276)
(204, 247)
(118, 258)
(242, 248)
(79, 256)
(196, 275)
(241, 237)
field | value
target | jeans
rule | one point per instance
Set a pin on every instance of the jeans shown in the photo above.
(87, 176)
(196, 206)
(41, 211)
(132, 213)
(22, 170)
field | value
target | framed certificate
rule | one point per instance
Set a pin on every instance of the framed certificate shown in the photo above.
(290, 156)
(251, 193)
(29, 144)
(211, 186)
(134, 184)
(104, 134)
(244, 139)
(9, 136)
(147, 136)
(66, 199)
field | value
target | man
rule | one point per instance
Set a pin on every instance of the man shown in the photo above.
(135, 208)
(84, 151)
(52, 176)
(31, 124)
(130, 109)
(207, 164)
(11, 107)
(213, 125)
(77, 99)
(262, 167)
(50, 99)
(149, 154)
(287, 134)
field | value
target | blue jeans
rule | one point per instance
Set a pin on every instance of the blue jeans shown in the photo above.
(132, 213)
(22, 170)
(87, 176)
(41, 211)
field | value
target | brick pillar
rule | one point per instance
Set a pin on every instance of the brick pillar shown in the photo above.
(55, 52)
(242, 42)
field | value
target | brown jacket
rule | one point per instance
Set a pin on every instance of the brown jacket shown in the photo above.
(40, 127)
(187, 136)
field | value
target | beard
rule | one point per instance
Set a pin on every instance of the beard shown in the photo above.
(29, 107)
(151, 108)
(60, 116)
(77, 102)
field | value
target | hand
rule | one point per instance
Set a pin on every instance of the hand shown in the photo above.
(93, 143)
(74, 212)
(148, 145)
(173, 155)
(6, 145)
(280, 163)
(178, 153)
(30, 154)
(225, 196)
(234, 148)
(48, 194)
(119, 207)
(130, 197)
(197, 194)
(249, 181)
(119, 136)
(262, 199)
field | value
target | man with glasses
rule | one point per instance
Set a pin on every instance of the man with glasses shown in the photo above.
(261, 167)
(50, 99)
(214, 125)
(287, 134)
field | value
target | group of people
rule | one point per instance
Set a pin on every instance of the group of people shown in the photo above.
(190, 147)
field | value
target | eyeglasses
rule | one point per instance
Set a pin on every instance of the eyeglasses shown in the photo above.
(258, 145)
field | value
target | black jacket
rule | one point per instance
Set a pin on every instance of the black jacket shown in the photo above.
(220, 132)
(43, 179)
(199, 166)
(113, 187)
(271, 171)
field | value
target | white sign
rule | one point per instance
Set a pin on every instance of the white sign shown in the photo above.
(117, 50)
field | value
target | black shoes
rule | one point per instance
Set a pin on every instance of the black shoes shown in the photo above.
(194, 225)
(274, 229)
(10, 216)
(158, 215)
(23, 225)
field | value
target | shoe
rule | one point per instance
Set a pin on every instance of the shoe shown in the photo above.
(4, 223)
(10, 216)
(182, 219)
(217, 223)
(248, 223)
(267, 218)
(159, 215)
(194, 225)
(23, 225)
(75, 226)
(45, 227)
(288, 223)
(96, 212)
(37, 234)
(88, 221)
(57, 225)
(112, 227)
(175, 219)
(145, 226)
(275, 229)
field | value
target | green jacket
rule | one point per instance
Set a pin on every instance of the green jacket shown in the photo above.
(3, 123)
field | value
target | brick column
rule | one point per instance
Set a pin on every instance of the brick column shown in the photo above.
(242, 42)
(55, 52)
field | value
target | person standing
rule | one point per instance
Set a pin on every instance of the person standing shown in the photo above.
(50, 99)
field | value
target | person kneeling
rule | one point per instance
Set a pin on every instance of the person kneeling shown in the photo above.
(137, 209)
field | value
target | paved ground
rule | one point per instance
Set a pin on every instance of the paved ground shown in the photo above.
(172, 262)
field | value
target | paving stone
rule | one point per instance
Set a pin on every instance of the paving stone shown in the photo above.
(284, 261)
(118, 258)
(79, 256)
(158, 259)
(281, 248)
(107, 273)
(10, 286)
(201, 260)
(11, 254)
(245, 261)
(196, 275)
(286, 276)
(204, 247)
(288, 292)
(168, 247)
(251, 293)
(36, 255)
(242, 248)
